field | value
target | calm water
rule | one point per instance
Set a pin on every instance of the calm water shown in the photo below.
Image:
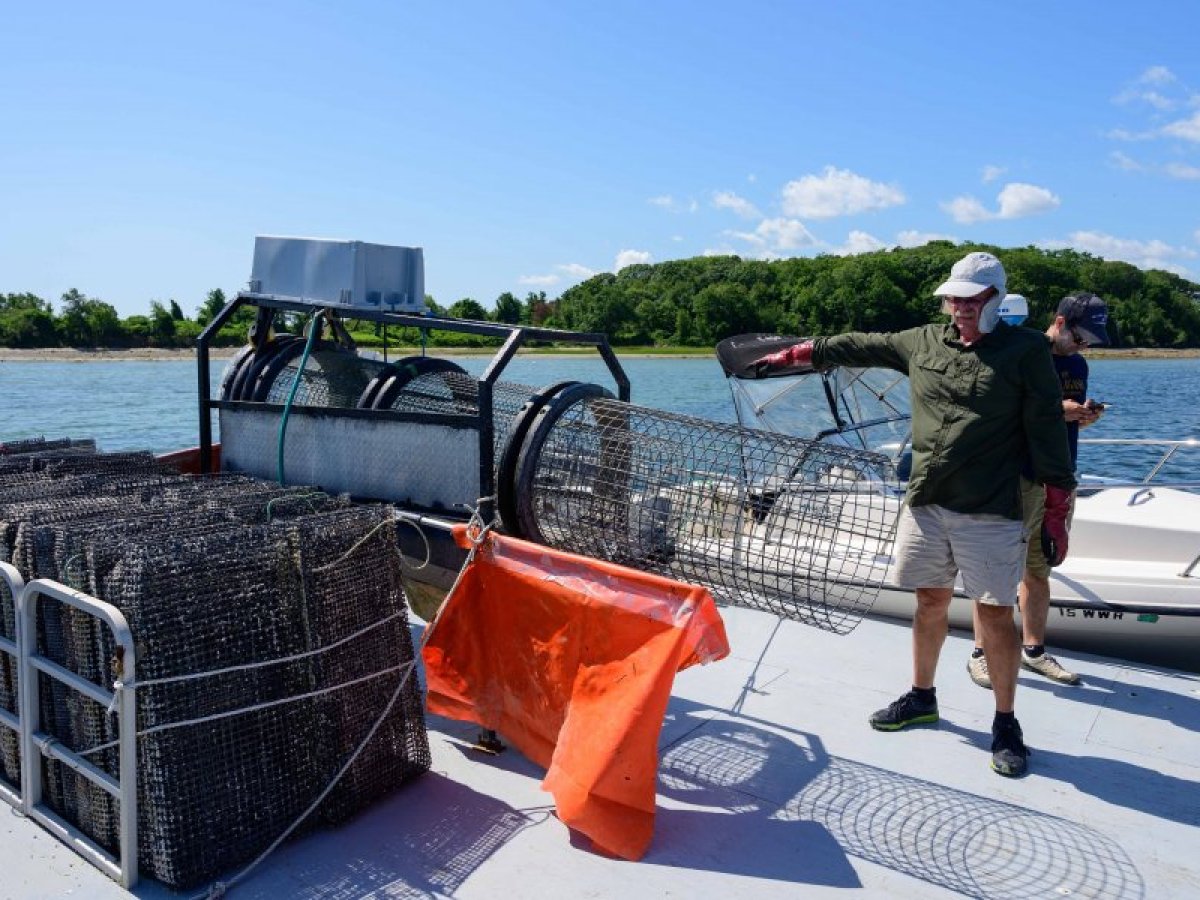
(152, 405)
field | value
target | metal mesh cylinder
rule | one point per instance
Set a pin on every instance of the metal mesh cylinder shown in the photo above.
(798, 528)
(422, 450)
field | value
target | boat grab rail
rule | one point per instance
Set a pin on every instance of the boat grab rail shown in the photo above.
(11, 578)
(122, 868)
(1171, 447)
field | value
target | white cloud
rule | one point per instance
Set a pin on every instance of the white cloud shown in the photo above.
(1182, 171)
(673, 204)
(1125, 162)
(677, 238)
(575, 270)
(837, 192)
(572, 271)
(739, 205)
(991, 173)
(1142, 89)
(630, 258)
(1150, 98)
(1156, 75)
(921, 238)
(1153, 254)
(1124, 134)
(859, 242)
(785, 234)
(1018, 200)
(966, 210)
(774, 236)
(1188, 129)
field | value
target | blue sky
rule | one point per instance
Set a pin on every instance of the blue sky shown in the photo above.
(528, 145)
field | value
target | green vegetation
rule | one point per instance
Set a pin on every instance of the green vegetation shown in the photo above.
(691, 303)
(696, 302)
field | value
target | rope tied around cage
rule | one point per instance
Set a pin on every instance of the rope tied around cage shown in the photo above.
(354, 548)
(424, 539)
(477, 531)
(307, 498)
(223, 886)
(120, 685)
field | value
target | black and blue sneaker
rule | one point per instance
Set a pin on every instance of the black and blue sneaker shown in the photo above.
(910, 709)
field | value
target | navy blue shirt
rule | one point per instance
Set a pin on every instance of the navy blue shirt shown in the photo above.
(1073, 375)
(1072, 372)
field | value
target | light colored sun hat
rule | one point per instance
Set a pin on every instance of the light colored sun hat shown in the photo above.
(972, 274)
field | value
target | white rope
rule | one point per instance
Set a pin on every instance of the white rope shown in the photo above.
(480, 535)
(421, 534)
(220, 888)
(258, 665)
(362, 540)
(167, 726)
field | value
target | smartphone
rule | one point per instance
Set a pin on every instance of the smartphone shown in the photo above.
(1097, 405)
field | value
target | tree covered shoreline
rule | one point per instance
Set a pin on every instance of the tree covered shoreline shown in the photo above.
(691, 303)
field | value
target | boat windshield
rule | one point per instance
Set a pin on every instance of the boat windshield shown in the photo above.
(861, 408)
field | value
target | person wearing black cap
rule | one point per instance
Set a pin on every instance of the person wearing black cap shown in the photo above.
(984, 397)
(1079, 323)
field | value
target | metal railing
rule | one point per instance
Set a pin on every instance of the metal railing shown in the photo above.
(1170, 448)
(36, 743)
(12, 581)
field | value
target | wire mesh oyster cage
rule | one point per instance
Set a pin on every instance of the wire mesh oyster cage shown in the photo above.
(273, 645)
(794, 527)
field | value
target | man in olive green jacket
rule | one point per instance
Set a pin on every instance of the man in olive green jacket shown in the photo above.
(984, 398)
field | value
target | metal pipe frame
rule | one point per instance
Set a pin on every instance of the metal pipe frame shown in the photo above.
(515, 336)
(36, 743)
(11, 646)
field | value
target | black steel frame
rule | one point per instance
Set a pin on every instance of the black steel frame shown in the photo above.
(514, 337)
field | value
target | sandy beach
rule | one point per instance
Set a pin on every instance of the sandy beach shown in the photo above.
(143, 354)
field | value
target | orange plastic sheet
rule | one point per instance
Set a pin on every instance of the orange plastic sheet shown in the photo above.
(572, 660)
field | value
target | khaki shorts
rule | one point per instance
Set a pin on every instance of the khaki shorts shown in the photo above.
(1033, 505)
(934, 544)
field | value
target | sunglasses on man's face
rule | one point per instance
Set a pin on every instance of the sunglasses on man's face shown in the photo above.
(978, 300)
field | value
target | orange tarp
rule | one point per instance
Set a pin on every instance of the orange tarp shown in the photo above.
(571, 660)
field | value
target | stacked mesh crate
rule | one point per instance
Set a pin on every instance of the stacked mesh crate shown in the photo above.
(216, 575)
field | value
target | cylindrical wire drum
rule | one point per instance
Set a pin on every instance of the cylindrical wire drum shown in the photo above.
(794, 527)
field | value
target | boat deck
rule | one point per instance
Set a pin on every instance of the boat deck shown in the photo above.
(772, 785)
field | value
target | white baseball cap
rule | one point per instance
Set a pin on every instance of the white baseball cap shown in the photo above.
(972, 274)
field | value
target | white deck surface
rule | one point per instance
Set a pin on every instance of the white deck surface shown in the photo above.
(773, 785)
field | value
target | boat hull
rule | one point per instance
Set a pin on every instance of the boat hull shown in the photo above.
(1129, 588)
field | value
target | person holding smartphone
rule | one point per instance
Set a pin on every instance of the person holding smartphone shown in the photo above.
(1079, 323)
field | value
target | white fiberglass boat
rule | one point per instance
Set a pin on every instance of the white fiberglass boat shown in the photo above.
(1131, 584)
